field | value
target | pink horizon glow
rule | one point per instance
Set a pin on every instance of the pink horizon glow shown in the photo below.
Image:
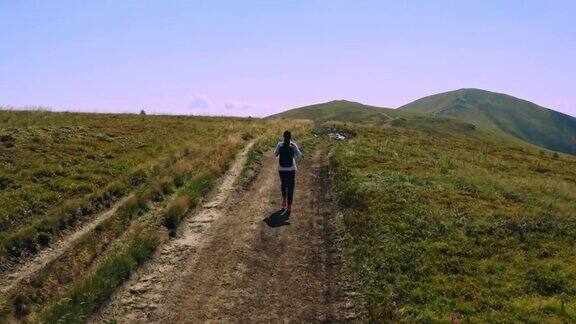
(256, 58)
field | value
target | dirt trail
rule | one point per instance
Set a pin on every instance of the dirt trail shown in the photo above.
(228, 264)
(23, 272)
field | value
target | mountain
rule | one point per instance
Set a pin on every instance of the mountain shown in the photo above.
(341, 110)
(520, 118)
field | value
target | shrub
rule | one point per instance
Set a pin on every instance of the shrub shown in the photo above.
(137, 178)
(179, 180)
(143, 244)
(43, 239)
(21, 241)
(133, 205)
(156, 193)
(7, 140)
(175, 212)
(5, 182)
(20, 304)
(166, 185)
(546, 281)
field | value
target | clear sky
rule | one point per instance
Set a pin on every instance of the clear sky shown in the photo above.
(260, 57)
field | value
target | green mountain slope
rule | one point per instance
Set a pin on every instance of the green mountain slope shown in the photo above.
(340, 110)
(517, 117)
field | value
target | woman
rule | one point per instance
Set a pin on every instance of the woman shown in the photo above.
(287, 153)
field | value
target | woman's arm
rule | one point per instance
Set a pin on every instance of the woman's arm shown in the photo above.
(297, 152)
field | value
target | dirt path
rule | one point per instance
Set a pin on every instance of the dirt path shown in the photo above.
(228, 264)
(23, 272)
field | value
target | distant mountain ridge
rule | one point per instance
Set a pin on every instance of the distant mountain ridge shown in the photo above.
(517, 117)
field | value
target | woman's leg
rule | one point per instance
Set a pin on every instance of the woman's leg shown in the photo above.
(290, 182)
(283, 183)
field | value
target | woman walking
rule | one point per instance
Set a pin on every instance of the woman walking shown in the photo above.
(287, 153)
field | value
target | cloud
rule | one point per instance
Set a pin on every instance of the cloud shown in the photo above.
(236, 105)
(200, 101)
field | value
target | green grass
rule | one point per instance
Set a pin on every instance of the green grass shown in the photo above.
(95, 289)
(62, 168)
(188, 198)
(167, 162)
(252, 165)
(513, 116)
(442, 217)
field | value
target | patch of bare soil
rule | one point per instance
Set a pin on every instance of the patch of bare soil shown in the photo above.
(239, 259)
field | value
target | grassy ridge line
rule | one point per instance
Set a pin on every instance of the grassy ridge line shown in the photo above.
(519, 118)
(443, 219)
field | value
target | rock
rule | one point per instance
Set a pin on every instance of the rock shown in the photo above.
(139, 288)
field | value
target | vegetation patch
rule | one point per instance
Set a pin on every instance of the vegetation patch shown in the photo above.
(252, 165)
(154, 158)
(442, 219)
(96, 288)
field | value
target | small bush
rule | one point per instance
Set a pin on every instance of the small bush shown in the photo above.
(166, 185)
(116, 189)
(178, 180)
(176, 212)
(134, 205)
(5, 182)
(137, 178)
(20, 304)
(8, 140)
(143, 244)
(43, 239)
(156, 193)
(21, 241)
(546, 281)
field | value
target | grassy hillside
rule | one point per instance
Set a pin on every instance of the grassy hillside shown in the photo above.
(520, 118)
(443, 218)
(53, 164)
(60, 170)
(340, 110)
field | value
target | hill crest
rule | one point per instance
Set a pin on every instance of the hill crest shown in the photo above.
(518, 117)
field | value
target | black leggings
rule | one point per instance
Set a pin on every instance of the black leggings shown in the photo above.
(287, 180)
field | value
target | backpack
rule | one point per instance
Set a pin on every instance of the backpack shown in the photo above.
(286, 156)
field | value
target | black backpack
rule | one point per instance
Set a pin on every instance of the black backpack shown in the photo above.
(286, 156)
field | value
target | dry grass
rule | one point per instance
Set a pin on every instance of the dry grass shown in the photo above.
(168, 162)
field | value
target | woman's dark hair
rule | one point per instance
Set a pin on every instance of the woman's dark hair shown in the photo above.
(287, 137)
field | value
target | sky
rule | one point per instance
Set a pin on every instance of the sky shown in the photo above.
(255, 58)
